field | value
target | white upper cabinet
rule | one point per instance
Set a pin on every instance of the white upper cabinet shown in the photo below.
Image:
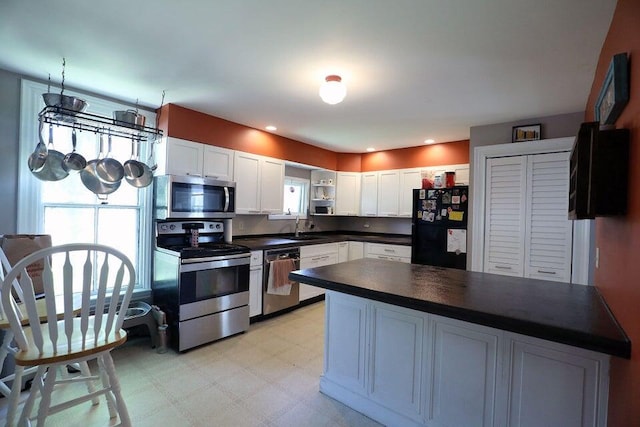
(527, 232)
(181, 157)
(347, 193)
(272, 185)
(388, 183)
(259, 184)
(369, 196)
(218, 163)
(247, 178)
(409, 179)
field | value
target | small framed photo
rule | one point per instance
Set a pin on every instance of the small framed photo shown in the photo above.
(526, 133)
(614, 93)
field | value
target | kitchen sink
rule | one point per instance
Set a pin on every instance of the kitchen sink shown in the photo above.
(303, 237)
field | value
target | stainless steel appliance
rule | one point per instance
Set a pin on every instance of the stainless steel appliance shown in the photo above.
(200, 281)
(178, 197)
(275, 302)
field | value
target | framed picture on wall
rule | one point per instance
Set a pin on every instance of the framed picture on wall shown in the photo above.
(614, 93)
(526, 133)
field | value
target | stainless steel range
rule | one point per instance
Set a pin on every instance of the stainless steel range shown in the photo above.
(200, 281)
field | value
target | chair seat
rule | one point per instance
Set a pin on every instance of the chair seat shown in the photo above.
(63, 352)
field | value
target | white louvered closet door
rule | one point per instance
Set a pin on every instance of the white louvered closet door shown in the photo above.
(548, 237)
(505, 215)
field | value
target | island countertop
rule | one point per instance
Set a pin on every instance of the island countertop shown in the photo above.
(571, 314)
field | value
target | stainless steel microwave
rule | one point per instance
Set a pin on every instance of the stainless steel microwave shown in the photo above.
(193, 197)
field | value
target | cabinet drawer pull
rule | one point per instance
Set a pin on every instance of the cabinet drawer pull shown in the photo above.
(212, 176)
(503, 267)
(393, 251)
(546, 272)
(194, 174)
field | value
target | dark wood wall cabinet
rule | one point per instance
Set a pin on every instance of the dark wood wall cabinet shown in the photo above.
(599, 171)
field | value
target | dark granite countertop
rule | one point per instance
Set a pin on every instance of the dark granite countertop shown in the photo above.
(576, 315)
(279, 241)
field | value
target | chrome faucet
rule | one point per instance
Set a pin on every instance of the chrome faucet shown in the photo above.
(297, 231)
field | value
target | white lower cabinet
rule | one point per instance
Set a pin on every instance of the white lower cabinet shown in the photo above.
(396, 359)
(343, 251)
(572, 392)
(356, 250)
(344, 358)
(255, 284)
(404, 367)
(389, 252)
(463, 374)
(316, 256)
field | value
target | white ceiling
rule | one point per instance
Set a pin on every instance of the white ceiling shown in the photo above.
(414, 69)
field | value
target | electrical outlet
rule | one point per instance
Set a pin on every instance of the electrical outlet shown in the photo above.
(240, 225)
(597, 257)
(366, 225)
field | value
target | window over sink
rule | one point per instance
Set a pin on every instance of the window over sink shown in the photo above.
(295, 198)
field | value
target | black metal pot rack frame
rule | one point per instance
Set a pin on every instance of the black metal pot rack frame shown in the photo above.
(98, 124)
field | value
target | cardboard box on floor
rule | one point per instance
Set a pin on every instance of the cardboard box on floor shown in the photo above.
(18, 246)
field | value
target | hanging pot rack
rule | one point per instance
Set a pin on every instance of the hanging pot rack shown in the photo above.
(98, 124)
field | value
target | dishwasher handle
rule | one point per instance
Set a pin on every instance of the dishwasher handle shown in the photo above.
(269, 261)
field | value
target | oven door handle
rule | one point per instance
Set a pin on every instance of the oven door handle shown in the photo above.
(198, 264)
(226, 199)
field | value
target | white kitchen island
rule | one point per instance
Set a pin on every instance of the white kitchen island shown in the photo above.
(417, 345)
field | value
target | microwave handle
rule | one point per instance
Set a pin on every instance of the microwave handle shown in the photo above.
(226, 199)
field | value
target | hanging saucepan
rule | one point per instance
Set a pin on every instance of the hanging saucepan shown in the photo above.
(90, 178)
(74, 161)
(134, 168)
(108, 169)
(39, 156)
(52, 169)
(146, 178)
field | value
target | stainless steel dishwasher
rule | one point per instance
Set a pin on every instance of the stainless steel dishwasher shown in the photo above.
(272, 303)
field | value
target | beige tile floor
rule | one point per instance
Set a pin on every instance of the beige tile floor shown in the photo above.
(267, 376)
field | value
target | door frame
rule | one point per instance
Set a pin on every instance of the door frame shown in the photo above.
(582, 230)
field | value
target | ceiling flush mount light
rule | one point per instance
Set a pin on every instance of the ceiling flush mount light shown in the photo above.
(333, 91)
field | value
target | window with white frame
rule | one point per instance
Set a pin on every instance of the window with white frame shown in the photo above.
(296, 196)
(66, 209)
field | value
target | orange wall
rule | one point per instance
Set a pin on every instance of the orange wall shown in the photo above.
(618, 238)
(184, 123)
(196, 126)
(451, 153)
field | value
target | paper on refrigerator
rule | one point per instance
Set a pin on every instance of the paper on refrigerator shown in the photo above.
(457, 241)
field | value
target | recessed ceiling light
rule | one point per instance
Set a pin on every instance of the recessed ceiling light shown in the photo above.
(271, 128)
(429, 141)
(370, 149)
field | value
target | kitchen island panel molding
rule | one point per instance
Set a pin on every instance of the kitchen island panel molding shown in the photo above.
(464, 373)
(436, 371)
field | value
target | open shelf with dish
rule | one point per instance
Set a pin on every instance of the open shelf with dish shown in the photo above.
(323, 192)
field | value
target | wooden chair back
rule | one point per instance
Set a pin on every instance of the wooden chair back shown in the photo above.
(70, 275)
(5, 267)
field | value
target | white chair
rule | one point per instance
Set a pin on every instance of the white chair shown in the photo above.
(70, 275)
(5, 347)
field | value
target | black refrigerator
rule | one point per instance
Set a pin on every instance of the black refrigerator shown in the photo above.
(439, 227)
